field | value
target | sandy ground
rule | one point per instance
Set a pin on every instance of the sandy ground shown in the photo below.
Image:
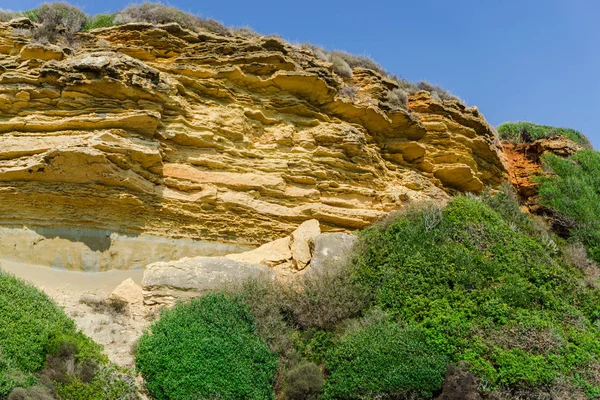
(117, 331)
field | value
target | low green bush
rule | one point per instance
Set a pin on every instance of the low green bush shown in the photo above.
(572, 189)
(29, 323)
(304, 382)
(57, 22)
(437, 91)
(6, 15)
(209, 349)
(40, 344)
(156, 13)
(100, 21)
(31, 393)
(383, 360)
(487, 291)
(529, 132)
(108, 383)
(355, 61)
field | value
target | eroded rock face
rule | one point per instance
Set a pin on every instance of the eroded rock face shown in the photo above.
(524, 163)
(166, 282)
(162, 131)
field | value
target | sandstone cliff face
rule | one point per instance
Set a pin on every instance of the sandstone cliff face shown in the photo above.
(161, 131)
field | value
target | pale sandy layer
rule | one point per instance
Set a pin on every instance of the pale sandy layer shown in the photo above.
(53, 280)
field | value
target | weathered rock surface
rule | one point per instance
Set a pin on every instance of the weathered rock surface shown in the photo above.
(162, 131)
(166, 282)
(331, 248)
(92, 250)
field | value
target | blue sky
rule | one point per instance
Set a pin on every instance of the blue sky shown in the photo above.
(535, 60)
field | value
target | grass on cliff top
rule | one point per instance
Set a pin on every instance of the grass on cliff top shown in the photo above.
(59, 22)
(519, 132)
(38, 343)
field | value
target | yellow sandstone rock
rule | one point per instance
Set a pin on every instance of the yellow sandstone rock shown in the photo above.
(171, 133)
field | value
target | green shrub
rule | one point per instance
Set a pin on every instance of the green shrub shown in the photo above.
(39, 343)
(32, 393)
(437, 91)
(6, 15)
(11, 377)
(323, 299)
(58, 22)
(484, 287)
(355, 61)
(304, 382)
(314, 344)
(398, 98)
(156, 13)
(108, 383)
(383, 360)
(29, 323)
(206, 349)
(572, 190)
(529, 132)
(100, 21)
(340, 66)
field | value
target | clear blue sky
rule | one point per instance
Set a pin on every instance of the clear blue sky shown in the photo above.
(515, 59)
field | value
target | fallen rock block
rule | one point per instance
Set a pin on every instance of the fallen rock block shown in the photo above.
(128, 292)
(269, 254)
(166, 282)
(301, 241)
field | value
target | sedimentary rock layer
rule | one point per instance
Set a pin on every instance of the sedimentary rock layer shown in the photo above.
(162, 131)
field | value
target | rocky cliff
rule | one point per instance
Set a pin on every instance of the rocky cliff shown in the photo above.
(157, 130)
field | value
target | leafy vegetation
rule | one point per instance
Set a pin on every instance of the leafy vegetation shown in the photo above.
(6, 15)
(206, 349)
(30, 322)
(573, 191)
(488, 293)
(156, 13)
(57, 21)
(529, 132)
(304, 382)
(383, 359)
(100, 21)
(38, 342)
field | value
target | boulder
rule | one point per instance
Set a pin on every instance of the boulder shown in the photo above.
(166, 282)
(270, 254)
(128, 292)
(301, 242)
(330, 248)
